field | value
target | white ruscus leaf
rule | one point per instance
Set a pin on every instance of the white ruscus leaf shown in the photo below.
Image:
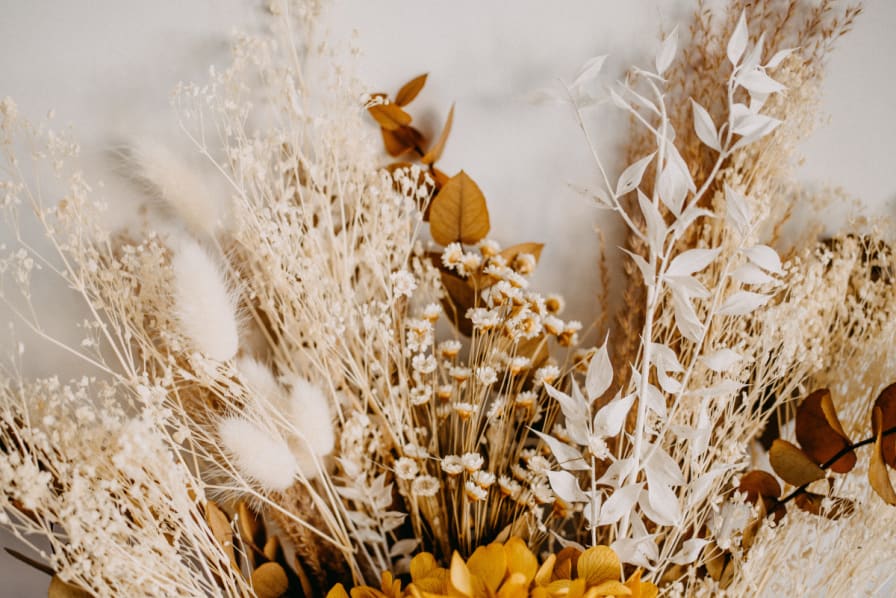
(666, 52)
(656, 226)
(619, 503)
(589, 70)
(705, 127)
(631, 176)
(737, 211)
(689, 552)
(738, 41)
(566, 486)
(600, 373)
(721, 360)
(567, 457)
(765, 257)
(743, 302)
(691, 261)
(609, 419)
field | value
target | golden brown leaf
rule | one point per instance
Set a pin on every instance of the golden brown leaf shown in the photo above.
(389, 116)
(599, 564)
(61, 589)
(409, 90)
(459, 212)
(513, 251)
(272, 549)
(435, 152)
(270, 581)
(220, 525)
(401, 140)
(460, 297)
(792, 464)
(820, 433)
(251, 527)
(878, 475)
(886, 402)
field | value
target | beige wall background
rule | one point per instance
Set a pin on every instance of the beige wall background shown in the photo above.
(107, 66)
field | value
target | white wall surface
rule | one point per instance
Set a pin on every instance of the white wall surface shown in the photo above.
(107, 67)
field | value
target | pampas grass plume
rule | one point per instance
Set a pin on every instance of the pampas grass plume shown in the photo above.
(264, 458)
(204, 304)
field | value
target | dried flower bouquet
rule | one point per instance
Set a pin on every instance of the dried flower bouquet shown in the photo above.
(331, 376)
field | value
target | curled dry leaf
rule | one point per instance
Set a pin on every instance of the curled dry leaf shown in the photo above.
(390, 116)
(820, 433)
(793, 465)
(435, 152)
(761, 485)
(459, 212)
(270, 581)
(878, 475)
(409, 90)
(886, 402)
(512, 252)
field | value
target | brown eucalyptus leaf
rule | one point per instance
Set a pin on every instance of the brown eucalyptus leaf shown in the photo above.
(220, 525)
(439, 177)
(401, 140)
(793, 465)
(878, 475)
(820, 433)
(459, 298)
(435, 152)
(812, 502)
(389, 116)
(458, 212)
(886, 402)
(61, 589)
(721, 568)
(409, 90)
(759, 484)
(270, 581)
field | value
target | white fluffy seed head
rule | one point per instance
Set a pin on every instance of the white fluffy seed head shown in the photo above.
(171, 179)
(264, 458)
(309, 411)
(259, 379)
(205, 307)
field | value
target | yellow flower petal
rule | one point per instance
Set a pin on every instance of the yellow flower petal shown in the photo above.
(421, 565)
(609, 588)
(598, 564)
(520, 559)
(546, 571)
(489, 563)
(461, 579)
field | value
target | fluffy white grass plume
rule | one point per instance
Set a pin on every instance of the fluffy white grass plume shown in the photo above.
(205, 305)
(168, 177)
(259, 455)
(309, 410)
(259, 379)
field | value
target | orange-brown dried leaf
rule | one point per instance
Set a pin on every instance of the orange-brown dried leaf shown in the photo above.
(886, 402)
(401, 140)
(389, 116)
(820, 434)
(61, 589)
(459, 298)
(220, 525)
(793, 465)
(513, 251)
(878, 475)
(409, 90)
(435, 152)
(459, 212)
(759, 484)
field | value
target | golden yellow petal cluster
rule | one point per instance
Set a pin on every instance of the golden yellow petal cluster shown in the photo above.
(511, 570)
